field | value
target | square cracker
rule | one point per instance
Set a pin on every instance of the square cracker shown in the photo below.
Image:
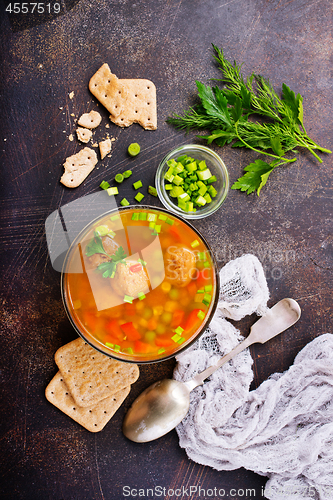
(92, 418)
(127, 100)
(90, 375)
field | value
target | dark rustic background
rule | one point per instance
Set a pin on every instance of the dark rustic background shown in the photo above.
(44, 454)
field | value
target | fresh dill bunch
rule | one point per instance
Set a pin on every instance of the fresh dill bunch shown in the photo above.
(248, 112)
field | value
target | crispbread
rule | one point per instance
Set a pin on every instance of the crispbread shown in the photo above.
(90, 375)
(92, 418)
(90, 120)
(105, 148)
(127, 100)
(83, 134)
(78, 167)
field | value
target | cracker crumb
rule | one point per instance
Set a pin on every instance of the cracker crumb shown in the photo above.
(71, 95)
(71, 137)
(105, 148)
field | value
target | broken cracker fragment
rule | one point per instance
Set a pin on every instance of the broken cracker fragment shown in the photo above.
(90, 120)
(78, 167)
(127, 100)
(105, 148)
(83, 134)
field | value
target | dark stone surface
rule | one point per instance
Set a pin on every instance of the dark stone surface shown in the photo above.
(45, 455)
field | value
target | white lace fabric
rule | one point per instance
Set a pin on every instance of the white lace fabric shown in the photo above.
(284, 428)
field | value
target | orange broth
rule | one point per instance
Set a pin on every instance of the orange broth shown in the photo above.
(157, 323)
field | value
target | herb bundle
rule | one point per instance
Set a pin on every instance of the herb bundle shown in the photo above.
(227, 114)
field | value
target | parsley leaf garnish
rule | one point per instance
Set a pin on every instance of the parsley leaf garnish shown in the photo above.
(95, 246)
(226, 114)
(109, 268)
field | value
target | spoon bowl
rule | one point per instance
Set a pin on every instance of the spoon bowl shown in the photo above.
(163, 405)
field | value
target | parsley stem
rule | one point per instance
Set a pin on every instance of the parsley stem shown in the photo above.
(310, 149)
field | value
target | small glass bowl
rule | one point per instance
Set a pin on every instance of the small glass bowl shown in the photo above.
(215, 165)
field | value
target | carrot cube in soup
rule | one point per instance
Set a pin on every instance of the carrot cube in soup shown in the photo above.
(192, 320)
(130, 331)
(177, 318)
(163, 342)
(112, 328)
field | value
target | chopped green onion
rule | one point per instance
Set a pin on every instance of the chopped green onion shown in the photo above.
(101, 230)
(124, 202)
(168, 187)
(211, 179)
(133, 149)
(112, 191)
(170, 221)
(142, 262)
(152, 217)
(157, 228)
(195, 243)
(179, 330)
(111, 233)
(119, 178)
(141, 296)
(161, 350)
(202, 165)
(204, 175)
(137, 184)
(200, 200)
(108, 344)
(135, 216)
(208, 288)
(162, 217)
(152, 190)
(128, 298)
(206, 264)
(176, 337)
(201, 314)
(181, 340)
(127, 174)
(116, 348)
(143, 216)
(176, 191)
(152, 225)
(115, 217)
(104, 185)
(128, 350)
(139, 197)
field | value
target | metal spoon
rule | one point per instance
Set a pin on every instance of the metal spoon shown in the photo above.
(163, 405)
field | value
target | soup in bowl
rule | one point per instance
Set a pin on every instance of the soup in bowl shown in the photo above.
(139, 284)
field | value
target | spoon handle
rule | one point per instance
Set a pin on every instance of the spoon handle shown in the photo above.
(281, 316)
(200, 377)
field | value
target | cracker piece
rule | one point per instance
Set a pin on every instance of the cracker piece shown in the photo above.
(90, 375)
(78, 167)
(92, 418)
(105, 148)
(83, 134)
(90, 120)
(127, 100)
